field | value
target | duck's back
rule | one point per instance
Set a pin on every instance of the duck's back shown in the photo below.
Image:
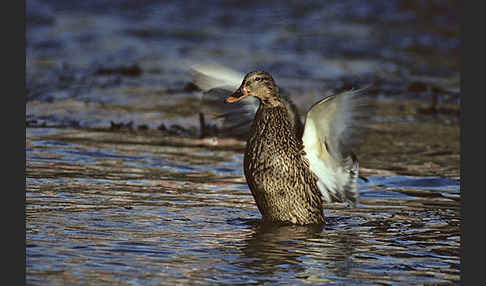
(277, 173)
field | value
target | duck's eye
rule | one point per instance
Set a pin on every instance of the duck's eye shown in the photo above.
(258, 79)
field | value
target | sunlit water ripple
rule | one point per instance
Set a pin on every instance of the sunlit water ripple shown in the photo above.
(100, 213)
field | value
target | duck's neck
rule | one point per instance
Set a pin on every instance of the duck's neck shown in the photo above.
(271, 98)
(272, 121)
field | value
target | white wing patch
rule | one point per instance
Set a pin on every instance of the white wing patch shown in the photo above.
(329, 125)
(317, 160)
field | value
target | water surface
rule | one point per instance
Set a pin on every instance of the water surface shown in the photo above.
(123, 188)
(99, 213)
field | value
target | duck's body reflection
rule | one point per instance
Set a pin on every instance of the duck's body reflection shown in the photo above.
(300, 250)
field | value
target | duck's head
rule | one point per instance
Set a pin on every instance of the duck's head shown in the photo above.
(259, 84)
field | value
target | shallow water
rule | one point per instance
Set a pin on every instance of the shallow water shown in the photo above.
(101, 212)
(121, 188)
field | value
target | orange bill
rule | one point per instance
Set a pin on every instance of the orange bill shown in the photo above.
(237, 95)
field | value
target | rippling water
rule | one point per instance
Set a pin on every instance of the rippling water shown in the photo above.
(121, 189)
(102, 213)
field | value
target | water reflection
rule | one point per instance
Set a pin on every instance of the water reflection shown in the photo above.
(307, 252)
(138, 205)
(133, 210)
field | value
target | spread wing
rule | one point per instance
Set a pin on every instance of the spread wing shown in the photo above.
(330, 133)
(209, 76)
(217, 83)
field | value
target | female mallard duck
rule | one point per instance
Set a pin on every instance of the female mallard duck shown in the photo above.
(291, 172)
(290, 177)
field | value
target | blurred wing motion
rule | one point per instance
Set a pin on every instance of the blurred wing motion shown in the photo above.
(209, 76)
(330, 132)
(217, 83)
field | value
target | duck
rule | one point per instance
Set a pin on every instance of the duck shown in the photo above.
(218, 82)
(293, 169)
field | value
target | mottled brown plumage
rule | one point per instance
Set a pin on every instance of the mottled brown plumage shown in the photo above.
(278, 174)
(292, 168)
